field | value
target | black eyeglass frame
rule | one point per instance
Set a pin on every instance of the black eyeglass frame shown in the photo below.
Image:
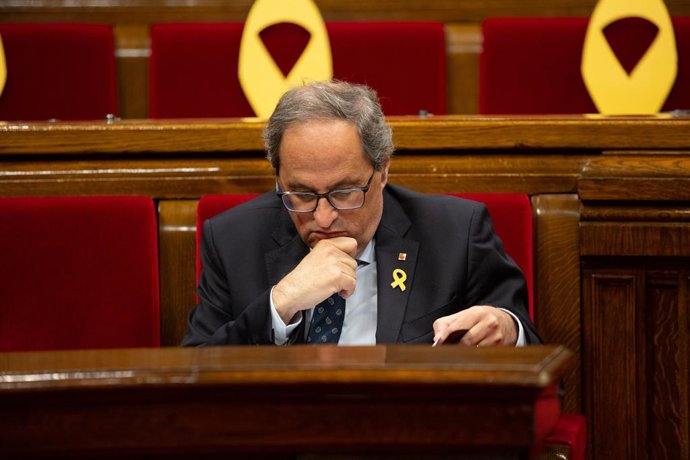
(326, 195)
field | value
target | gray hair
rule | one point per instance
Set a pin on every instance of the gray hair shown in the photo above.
(334, 100)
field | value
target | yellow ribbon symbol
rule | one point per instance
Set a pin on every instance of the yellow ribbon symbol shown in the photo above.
(3, 67)
(399, 277)
(645, 90)
(261, 79)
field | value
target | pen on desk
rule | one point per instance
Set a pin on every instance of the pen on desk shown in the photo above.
(453, 337)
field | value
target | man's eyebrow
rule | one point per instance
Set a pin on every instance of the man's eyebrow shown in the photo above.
(341, 184)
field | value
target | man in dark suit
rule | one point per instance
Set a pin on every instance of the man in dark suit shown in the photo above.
(338, 255)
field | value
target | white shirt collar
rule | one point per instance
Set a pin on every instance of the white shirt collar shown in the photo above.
(368, 254)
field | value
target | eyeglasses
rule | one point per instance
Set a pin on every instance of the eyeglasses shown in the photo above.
(344, 199)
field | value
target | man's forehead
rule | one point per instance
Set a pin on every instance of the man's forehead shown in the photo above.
(315, 181)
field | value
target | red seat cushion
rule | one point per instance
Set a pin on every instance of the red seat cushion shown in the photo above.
(62, 71)
(193, 67)
(571, 431)
(78, 272)
(532, 65)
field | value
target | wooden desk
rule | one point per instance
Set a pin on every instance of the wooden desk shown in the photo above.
(301, 399)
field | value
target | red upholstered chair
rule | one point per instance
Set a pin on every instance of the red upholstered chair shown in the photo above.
(511, 214)
(193, 67)
(78, 272)
(209, 206)
(512, 218)
(405, 62)
(61, 71)
(532, 65)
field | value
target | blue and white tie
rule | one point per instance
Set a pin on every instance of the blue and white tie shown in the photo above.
(327, 321)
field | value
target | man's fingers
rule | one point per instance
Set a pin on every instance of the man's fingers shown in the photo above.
(440, 326)
(350, 264)
(469, 321)
(344, 243)
(445, 326)
(349, 282)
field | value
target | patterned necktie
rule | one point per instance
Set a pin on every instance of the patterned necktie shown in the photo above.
(327, 321)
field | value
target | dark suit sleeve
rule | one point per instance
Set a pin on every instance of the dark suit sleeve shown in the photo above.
(215, 320)
(494, 279)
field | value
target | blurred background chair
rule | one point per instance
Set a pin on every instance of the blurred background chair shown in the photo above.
(78, 272)
(532, 65)
(193, 67)
(58, 71)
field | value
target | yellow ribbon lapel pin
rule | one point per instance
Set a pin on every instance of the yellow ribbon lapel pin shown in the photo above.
(399, 277)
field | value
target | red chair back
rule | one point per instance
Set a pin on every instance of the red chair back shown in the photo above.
(532, 65)
(511, 214)
(78, 272)
(193, 67)
(209, 206)
(61, 71)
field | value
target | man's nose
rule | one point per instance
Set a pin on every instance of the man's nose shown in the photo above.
(324, 214)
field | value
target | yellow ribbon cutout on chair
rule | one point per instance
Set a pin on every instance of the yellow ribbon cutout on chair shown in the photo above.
(3, 67)
(262, 81)
(645, 90)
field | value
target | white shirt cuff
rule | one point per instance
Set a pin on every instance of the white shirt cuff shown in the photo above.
(282, 331)
(521, 332)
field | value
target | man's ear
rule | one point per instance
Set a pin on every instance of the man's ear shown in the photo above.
(384, 172)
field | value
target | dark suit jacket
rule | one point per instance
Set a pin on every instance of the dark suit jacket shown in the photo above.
(454, 261)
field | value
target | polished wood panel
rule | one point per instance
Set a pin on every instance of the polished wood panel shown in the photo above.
(668, 328)
(463, 45)
(269, 399)
(664, 176)
(177, 253)
(638, 315)
(133, 49)
(611, 323)
(557, 302)
(635, 239)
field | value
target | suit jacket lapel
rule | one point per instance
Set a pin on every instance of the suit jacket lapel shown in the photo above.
(281, 261)
(290, 251)
(391, 247)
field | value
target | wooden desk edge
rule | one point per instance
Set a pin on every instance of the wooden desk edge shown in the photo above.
(535, 367)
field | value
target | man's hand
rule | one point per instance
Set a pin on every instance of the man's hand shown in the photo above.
(485, 325)
(327, 269)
